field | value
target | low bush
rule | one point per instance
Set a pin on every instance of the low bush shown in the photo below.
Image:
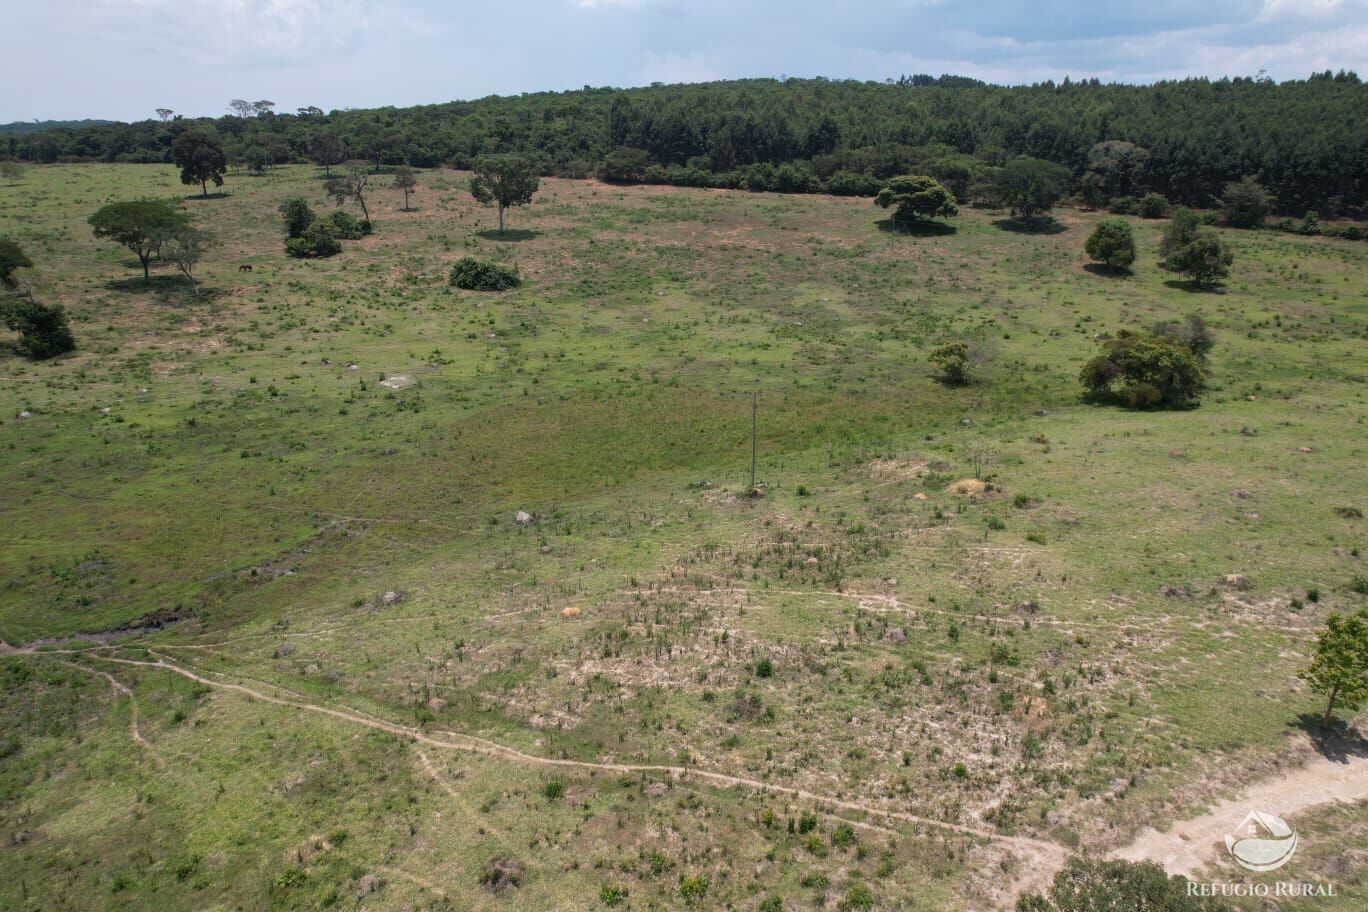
(477, 275)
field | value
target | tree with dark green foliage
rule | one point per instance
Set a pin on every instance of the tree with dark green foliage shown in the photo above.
(1119, 166)
(1030, 187)
(952, 361)
(347, 227)
(11, 258)
(915, 197)
(1112, 243)
(317, 240)
(504, 180)
(1144, 371)
(1153, 206)
(297, 215)
(11, 171)
(326, 149)
(477, 275)
(199, 155)
(1245, 203)
(1192, 334)
(43, 331)
(1339, 668)
(1205, 259)
(184, 247)
(1180, 231)
(140, 225)
(625, 165)
(1092, 885)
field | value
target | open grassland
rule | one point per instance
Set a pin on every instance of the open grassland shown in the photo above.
(1059, 661)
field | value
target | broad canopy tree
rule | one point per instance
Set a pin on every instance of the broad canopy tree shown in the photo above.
(11, 258)
(199, 155)
(142, 226)
(916, 197)
(504, 180)
(1339, 669)
(1030, 187)
(1112, 243)
(351, 186)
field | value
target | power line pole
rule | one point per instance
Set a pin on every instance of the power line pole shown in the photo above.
(755, 396)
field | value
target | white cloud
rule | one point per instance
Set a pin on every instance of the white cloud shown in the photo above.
(1274, 9)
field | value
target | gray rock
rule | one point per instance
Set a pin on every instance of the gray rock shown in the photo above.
(390, 599)
(522, 518)
(896, 635)
(284, 649)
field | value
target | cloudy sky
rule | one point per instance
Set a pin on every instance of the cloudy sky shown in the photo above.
(121, 59)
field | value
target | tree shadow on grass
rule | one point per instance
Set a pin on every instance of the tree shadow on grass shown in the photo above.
(171, 289)
(1111, 272)
(510, 234)
(917, 228)
(1046, 224)
(1338, 742)
(216, 195)
(1195, 287)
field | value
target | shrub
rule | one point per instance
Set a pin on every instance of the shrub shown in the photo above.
(298, 216)
(476, 275)
(952, 360)
(612, 895)
(764, 668)
(843, 837)
(1245, 203)
(772, 903)
(347, 226)
(11, 258)
(1192, 334)
(851, 183)
(693, 887)
(317, 240)
(1086, 885)
(1153, 206)
(1144, 371)
(1112, 243)
(1124, 205)
(858, 897)
(43, 331)
(553, 790)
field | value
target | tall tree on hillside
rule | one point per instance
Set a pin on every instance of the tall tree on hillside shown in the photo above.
(1030, 187)
(199, 155)
(327, 149)
(404, 179)
(11, 171)
(165, 114)
(311, 111)
(241, 107)
(263, 107)
(141, 225)
(351, 186)
(505, 180)
(1119, 166)
(11, 258)
(1245, 203)
(183, 247)
(1339, 669)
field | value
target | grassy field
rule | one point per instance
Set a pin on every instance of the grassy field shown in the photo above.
(1059, 660)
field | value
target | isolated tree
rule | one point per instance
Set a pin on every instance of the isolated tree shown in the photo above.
(1204, 259)
(1095, 885)
(1144, 371)
(1090, 191)
(199, 155)
(141, 225)
(981, 454)
(11, 258)
(310, 111)
(952, 360)
(625, 164)
(256, 159)
(183, 248)
(1339, 669)
(1112, 243)
(406, 180)
(351, 186)
(915, 197)
(1245, 203)
(1030, 187)
(43, 331)
(505, 180)
(1153, 205)
(327, 149)
(1118, 165)
(263, 107)
(1180, 231)
(165, 114)
(241, 107)
(11, 171)
(297, 215)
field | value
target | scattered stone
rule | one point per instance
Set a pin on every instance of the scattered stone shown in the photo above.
(1177, 454)
(572, 612)
(327, 360)
(812, 562)
(1237, 582)
(436, 705)
(966, 421)
(657, 790)
(106, 410)
(969, 486)
(352, 366)
(1041, 413)
(26, 414)
(284, 649)
(1030, 606)
(896, 635)
(545, 549)
(311, 669)
(398, 382)
(919, 496)
(367, 885)
(1305, 450)
(1248, 432)
(390, 599)
(1169, 590)
(522, 518)
(1242, 493)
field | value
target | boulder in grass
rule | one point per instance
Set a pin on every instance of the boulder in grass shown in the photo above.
(1237, 582)
(522, 518)
(390, 599)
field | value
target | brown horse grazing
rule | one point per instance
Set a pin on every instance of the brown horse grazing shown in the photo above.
(245, 267)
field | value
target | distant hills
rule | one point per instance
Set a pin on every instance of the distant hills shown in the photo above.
(38, 126)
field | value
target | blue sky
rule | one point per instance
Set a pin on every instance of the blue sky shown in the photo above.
(123, 58)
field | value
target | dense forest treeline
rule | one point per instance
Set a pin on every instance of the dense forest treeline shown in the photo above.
(1306, 141)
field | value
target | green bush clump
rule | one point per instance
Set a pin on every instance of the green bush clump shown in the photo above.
(1143, 371)
(317, 240)
(43, 331)
(347, 226)
(476, 275)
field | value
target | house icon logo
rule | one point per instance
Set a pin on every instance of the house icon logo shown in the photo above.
(1263, 843)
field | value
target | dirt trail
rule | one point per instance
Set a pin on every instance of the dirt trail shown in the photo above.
(132, 705)
(1191, 844)
(1037, 851)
